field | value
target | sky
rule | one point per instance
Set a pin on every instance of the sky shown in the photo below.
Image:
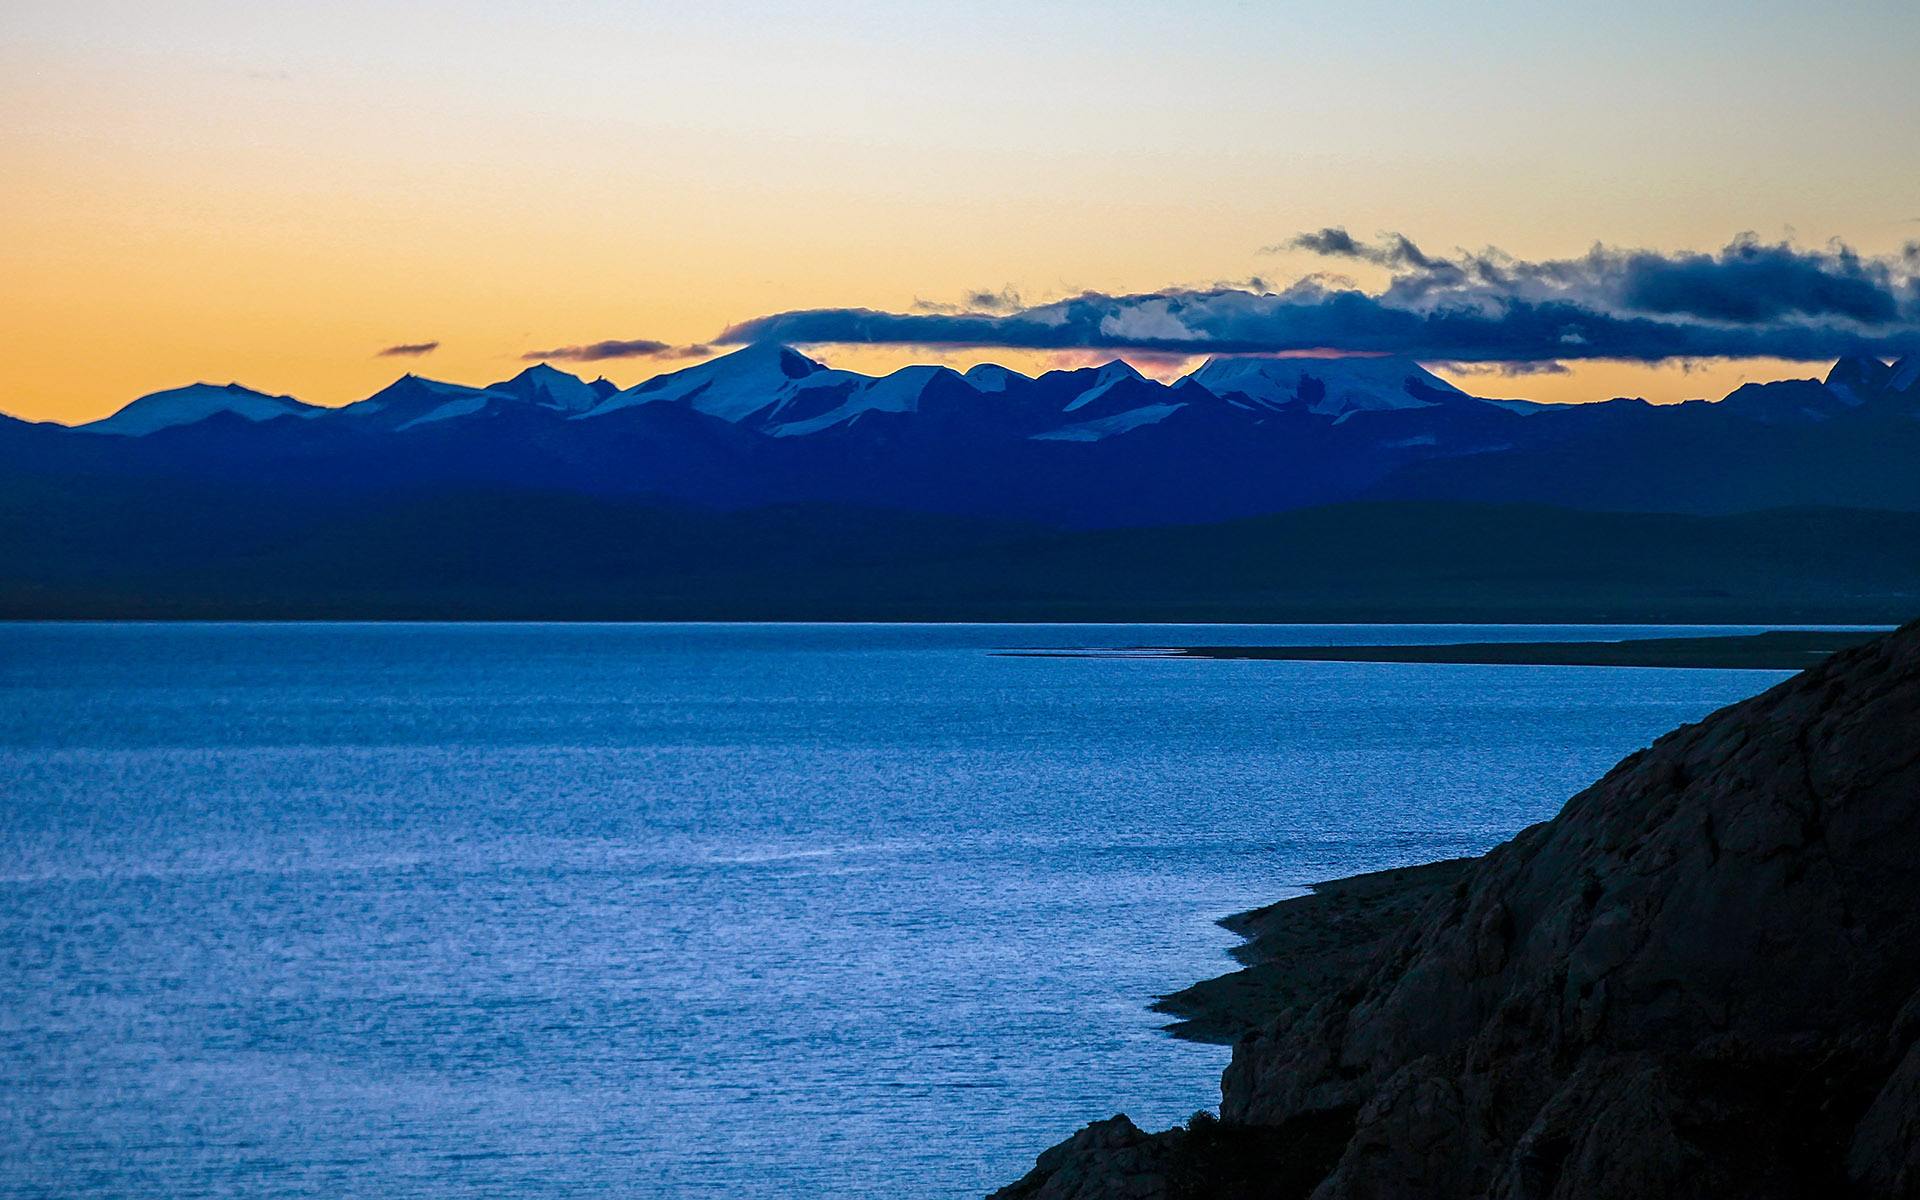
(275, 193)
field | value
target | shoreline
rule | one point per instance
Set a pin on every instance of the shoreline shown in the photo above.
(1775, 650)
(1693, 980)
(1299, 950)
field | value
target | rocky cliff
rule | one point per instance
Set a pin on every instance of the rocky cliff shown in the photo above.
(1701, 979)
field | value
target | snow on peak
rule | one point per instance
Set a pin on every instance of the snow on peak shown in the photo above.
(194, 403)
(901, 391)
(991, 377)
(732, 387)
(1107, 379)
(1857, 377)
(549, 387)
(412, 385)
(1328, 386)
(1075, 388)
(414, 399)
(830, 398)
(1101, 428)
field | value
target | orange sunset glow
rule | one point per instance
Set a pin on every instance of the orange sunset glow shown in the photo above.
(273, 193)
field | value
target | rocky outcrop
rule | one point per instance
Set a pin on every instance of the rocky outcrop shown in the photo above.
(1112, 1158)
(1701, 979)
(1301, 950)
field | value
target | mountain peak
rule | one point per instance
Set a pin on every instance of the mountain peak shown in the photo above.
(991, 377)
(414, 399)
(1113, 379)
(732, 387)
(547, 386)
(411, 384)
(788, 361)
(1326, 386)
(1858, 376)
(194, 403)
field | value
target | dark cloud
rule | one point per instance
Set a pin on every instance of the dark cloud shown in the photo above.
(1003, 301)
(1235, 322)
(1750, 299)
(1392, 250)
(1749, 282)
(1333, 242)
(408, 350)
(615, 348)
(980, 300)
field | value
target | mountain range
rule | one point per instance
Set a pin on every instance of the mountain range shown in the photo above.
(208, 498)
(1097, 447)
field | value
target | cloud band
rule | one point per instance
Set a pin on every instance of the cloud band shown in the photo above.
(1749, 300)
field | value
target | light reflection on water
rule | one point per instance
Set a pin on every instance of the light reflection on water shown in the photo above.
(688, 910)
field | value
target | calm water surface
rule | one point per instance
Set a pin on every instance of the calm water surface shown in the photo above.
(688, 911)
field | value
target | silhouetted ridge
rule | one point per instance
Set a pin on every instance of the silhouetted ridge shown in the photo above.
(1096, 447)
(1697, 981)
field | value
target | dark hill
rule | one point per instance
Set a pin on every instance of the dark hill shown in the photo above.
(1699, 980)
(105, 547)
(1684, 458)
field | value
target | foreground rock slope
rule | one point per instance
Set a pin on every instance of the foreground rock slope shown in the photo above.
(1701, 979)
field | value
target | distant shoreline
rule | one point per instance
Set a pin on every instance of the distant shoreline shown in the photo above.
(1776, 650)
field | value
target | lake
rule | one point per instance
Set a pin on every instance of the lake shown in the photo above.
(690, 910)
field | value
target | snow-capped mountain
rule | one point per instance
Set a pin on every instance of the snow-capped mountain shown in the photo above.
(1861, 379)
(195, 403)
(778, 391)
(1331, 387)
(761, 462)
(781, 392)
(1099, 428)
(1114, 399)
(990, 377)
(732, 387)
(546, 386)
(1853, 384)
(1098, 445)
(1856, 379)
(414, 400)
(837, 398)
(1105, 379)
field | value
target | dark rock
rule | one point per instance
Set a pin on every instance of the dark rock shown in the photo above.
(1208, 1159)
(1699, 980)
(1107, 1158)
(1305, 948)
